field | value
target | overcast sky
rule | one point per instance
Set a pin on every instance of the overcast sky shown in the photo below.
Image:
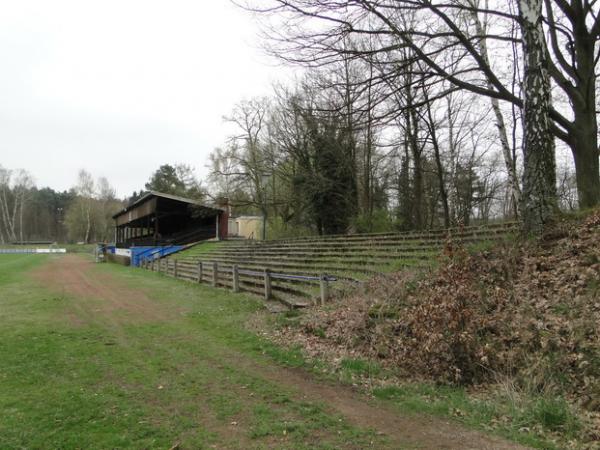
(120, 87)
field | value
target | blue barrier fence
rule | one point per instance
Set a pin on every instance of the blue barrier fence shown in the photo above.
(139, 255)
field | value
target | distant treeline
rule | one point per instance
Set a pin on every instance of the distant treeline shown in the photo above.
(81, 214)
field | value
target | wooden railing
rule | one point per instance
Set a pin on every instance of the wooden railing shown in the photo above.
(231, 276)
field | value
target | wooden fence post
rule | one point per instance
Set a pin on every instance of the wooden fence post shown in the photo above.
(215, 280)
(152, 265)
(267, 284)
(324, 289)
(199, 271)
(236, 279)
(175, 268)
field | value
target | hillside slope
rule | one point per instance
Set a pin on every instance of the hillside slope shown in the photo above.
(525, 313)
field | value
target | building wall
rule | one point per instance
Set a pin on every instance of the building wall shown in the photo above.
(249, 227)
(232, 227)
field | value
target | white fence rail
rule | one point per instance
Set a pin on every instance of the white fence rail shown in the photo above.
(22, 251)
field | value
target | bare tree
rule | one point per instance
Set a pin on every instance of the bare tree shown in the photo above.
(316, 30)
(14, 195)
(84, 206)
(509, 161)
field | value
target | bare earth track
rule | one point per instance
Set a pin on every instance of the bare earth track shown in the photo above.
(107, 300)
(99, 293)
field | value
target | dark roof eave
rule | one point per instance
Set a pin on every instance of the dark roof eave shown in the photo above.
(162, 195)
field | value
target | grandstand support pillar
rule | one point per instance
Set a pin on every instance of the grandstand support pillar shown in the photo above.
(215, 280)
(155, 228)
(268, 290)
(235, 273)
(324, 284)
(199, 271)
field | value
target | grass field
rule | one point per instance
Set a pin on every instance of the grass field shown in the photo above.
(102, 356)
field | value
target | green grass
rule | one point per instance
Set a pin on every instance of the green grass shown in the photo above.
(103, 381)
(360, 367)
(12, 266)
(201, 249)
(531, 419)
(521, 418)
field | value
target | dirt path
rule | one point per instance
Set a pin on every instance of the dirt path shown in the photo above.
(100, 293)
(101, 297)
(418, 432)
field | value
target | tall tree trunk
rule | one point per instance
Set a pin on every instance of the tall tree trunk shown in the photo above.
(452, 170)
(509, 162)
(368, 157)
(539, 174)
(404, 194)
(579, 84)
(88, 225)
(585, 154)
(412, 131)
(21, 207)
(438, 160)
(584, 141)
(10, 226)
(351, 138)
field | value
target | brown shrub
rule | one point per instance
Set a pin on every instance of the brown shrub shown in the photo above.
(530, 311)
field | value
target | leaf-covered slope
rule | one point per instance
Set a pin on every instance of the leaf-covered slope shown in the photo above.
(529, 311)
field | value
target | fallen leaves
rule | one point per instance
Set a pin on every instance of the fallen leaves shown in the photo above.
(526, 310)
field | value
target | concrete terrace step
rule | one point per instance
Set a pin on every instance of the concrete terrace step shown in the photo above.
(331, 249)
(305, 269)
(347, 257)
(440, 235)
(300, 269)
(384, 252)
(342, 249)
(497, 227)
(348, 260)
(362, 244)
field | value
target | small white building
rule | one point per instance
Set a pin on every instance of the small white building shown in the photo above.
(248, 227)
